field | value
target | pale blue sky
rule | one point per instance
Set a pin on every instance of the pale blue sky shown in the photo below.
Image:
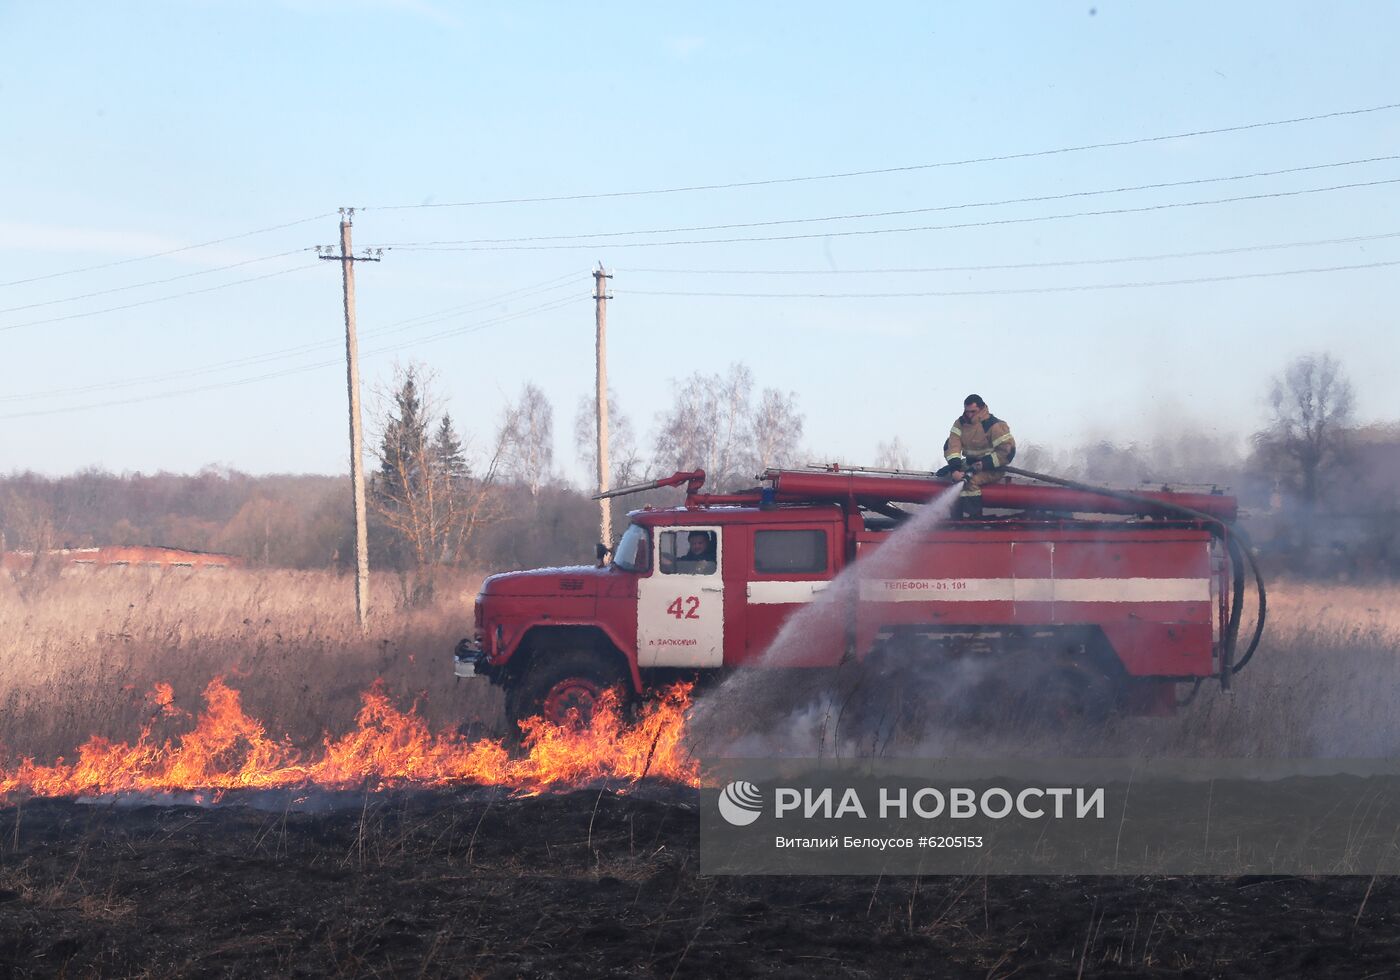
(137, 128)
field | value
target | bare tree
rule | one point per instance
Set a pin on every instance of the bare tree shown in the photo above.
(528, 430)
(892, 455)
(26, 520)
(624, 460)
(777, 430)
(1311, 405)
(264, 529)
(713, 424)
(425, 490)
(732, 443)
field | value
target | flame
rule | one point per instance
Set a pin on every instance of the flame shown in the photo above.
(161, 698)
(227, 750)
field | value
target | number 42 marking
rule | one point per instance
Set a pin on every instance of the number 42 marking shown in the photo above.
(691, 608)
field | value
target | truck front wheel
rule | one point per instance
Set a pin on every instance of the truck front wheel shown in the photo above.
(564, 688)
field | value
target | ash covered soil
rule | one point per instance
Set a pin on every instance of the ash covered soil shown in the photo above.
(592, 883)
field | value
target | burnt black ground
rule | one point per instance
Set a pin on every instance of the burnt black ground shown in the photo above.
(472, 883)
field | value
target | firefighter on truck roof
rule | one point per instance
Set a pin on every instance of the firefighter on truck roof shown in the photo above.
(979, 446)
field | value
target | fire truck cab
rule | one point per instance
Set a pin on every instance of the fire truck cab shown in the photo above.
(1121, 607)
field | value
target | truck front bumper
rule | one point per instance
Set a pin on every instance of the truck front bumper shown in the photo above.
(468, 660)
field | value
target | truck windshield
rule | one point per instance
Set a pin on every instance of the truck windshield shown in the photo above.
(632, 553)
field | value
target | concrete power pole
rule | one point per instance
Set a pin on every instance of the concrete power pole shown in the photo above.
(347, 260)
(600, 297)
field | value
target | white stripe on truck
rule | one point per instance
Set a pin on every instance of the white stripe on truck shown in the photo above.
(996, 590)
(771, 593)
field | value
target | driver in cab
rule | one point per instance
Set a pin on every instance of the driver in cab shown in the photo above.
(699, 559)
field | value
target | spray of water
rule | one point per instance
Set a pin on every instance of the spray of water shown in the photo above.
(771, 708)
(812, 624)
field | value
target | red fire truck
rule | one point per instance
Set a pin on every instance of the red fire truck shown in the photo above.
(1103, 599)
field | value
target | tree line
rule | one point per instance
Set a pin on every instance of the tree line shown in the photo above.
(1321, 490)
(438, 496)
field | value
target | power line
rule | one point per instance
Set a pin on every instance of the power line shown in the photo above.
(436, 316)
(989, 223)
(152, 282)
(156, 299)
(171, 251)
(543, 308)
(301, 369)
(425, 319)
(549, 307)
(1028, 154)
(1060, 263)
(1029, 289)
(1039, 199)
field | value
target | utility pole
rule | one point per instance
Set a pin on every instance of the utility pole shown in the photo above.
(600, 298)
(347, 260)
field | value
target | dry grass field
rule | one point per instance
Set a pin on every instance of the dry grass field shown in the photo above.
(81, 651)
(1353, 610)
(1324, 683)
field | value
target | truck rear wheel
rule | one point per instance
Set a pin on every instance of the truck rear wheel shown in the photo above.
(1074, 695)
(564, 688)
(1036, 694)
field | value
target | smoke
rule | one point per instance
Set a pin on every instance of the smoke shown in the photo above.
(1185, 456)
(1322, 685)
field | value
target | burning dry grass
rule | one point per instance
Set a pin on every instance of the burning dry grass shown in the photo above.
(84, 656)
(226, 750)
(161, 682)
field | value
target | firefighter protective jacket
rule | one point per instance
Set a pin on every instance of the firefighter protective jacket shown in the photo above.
(986, 437)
